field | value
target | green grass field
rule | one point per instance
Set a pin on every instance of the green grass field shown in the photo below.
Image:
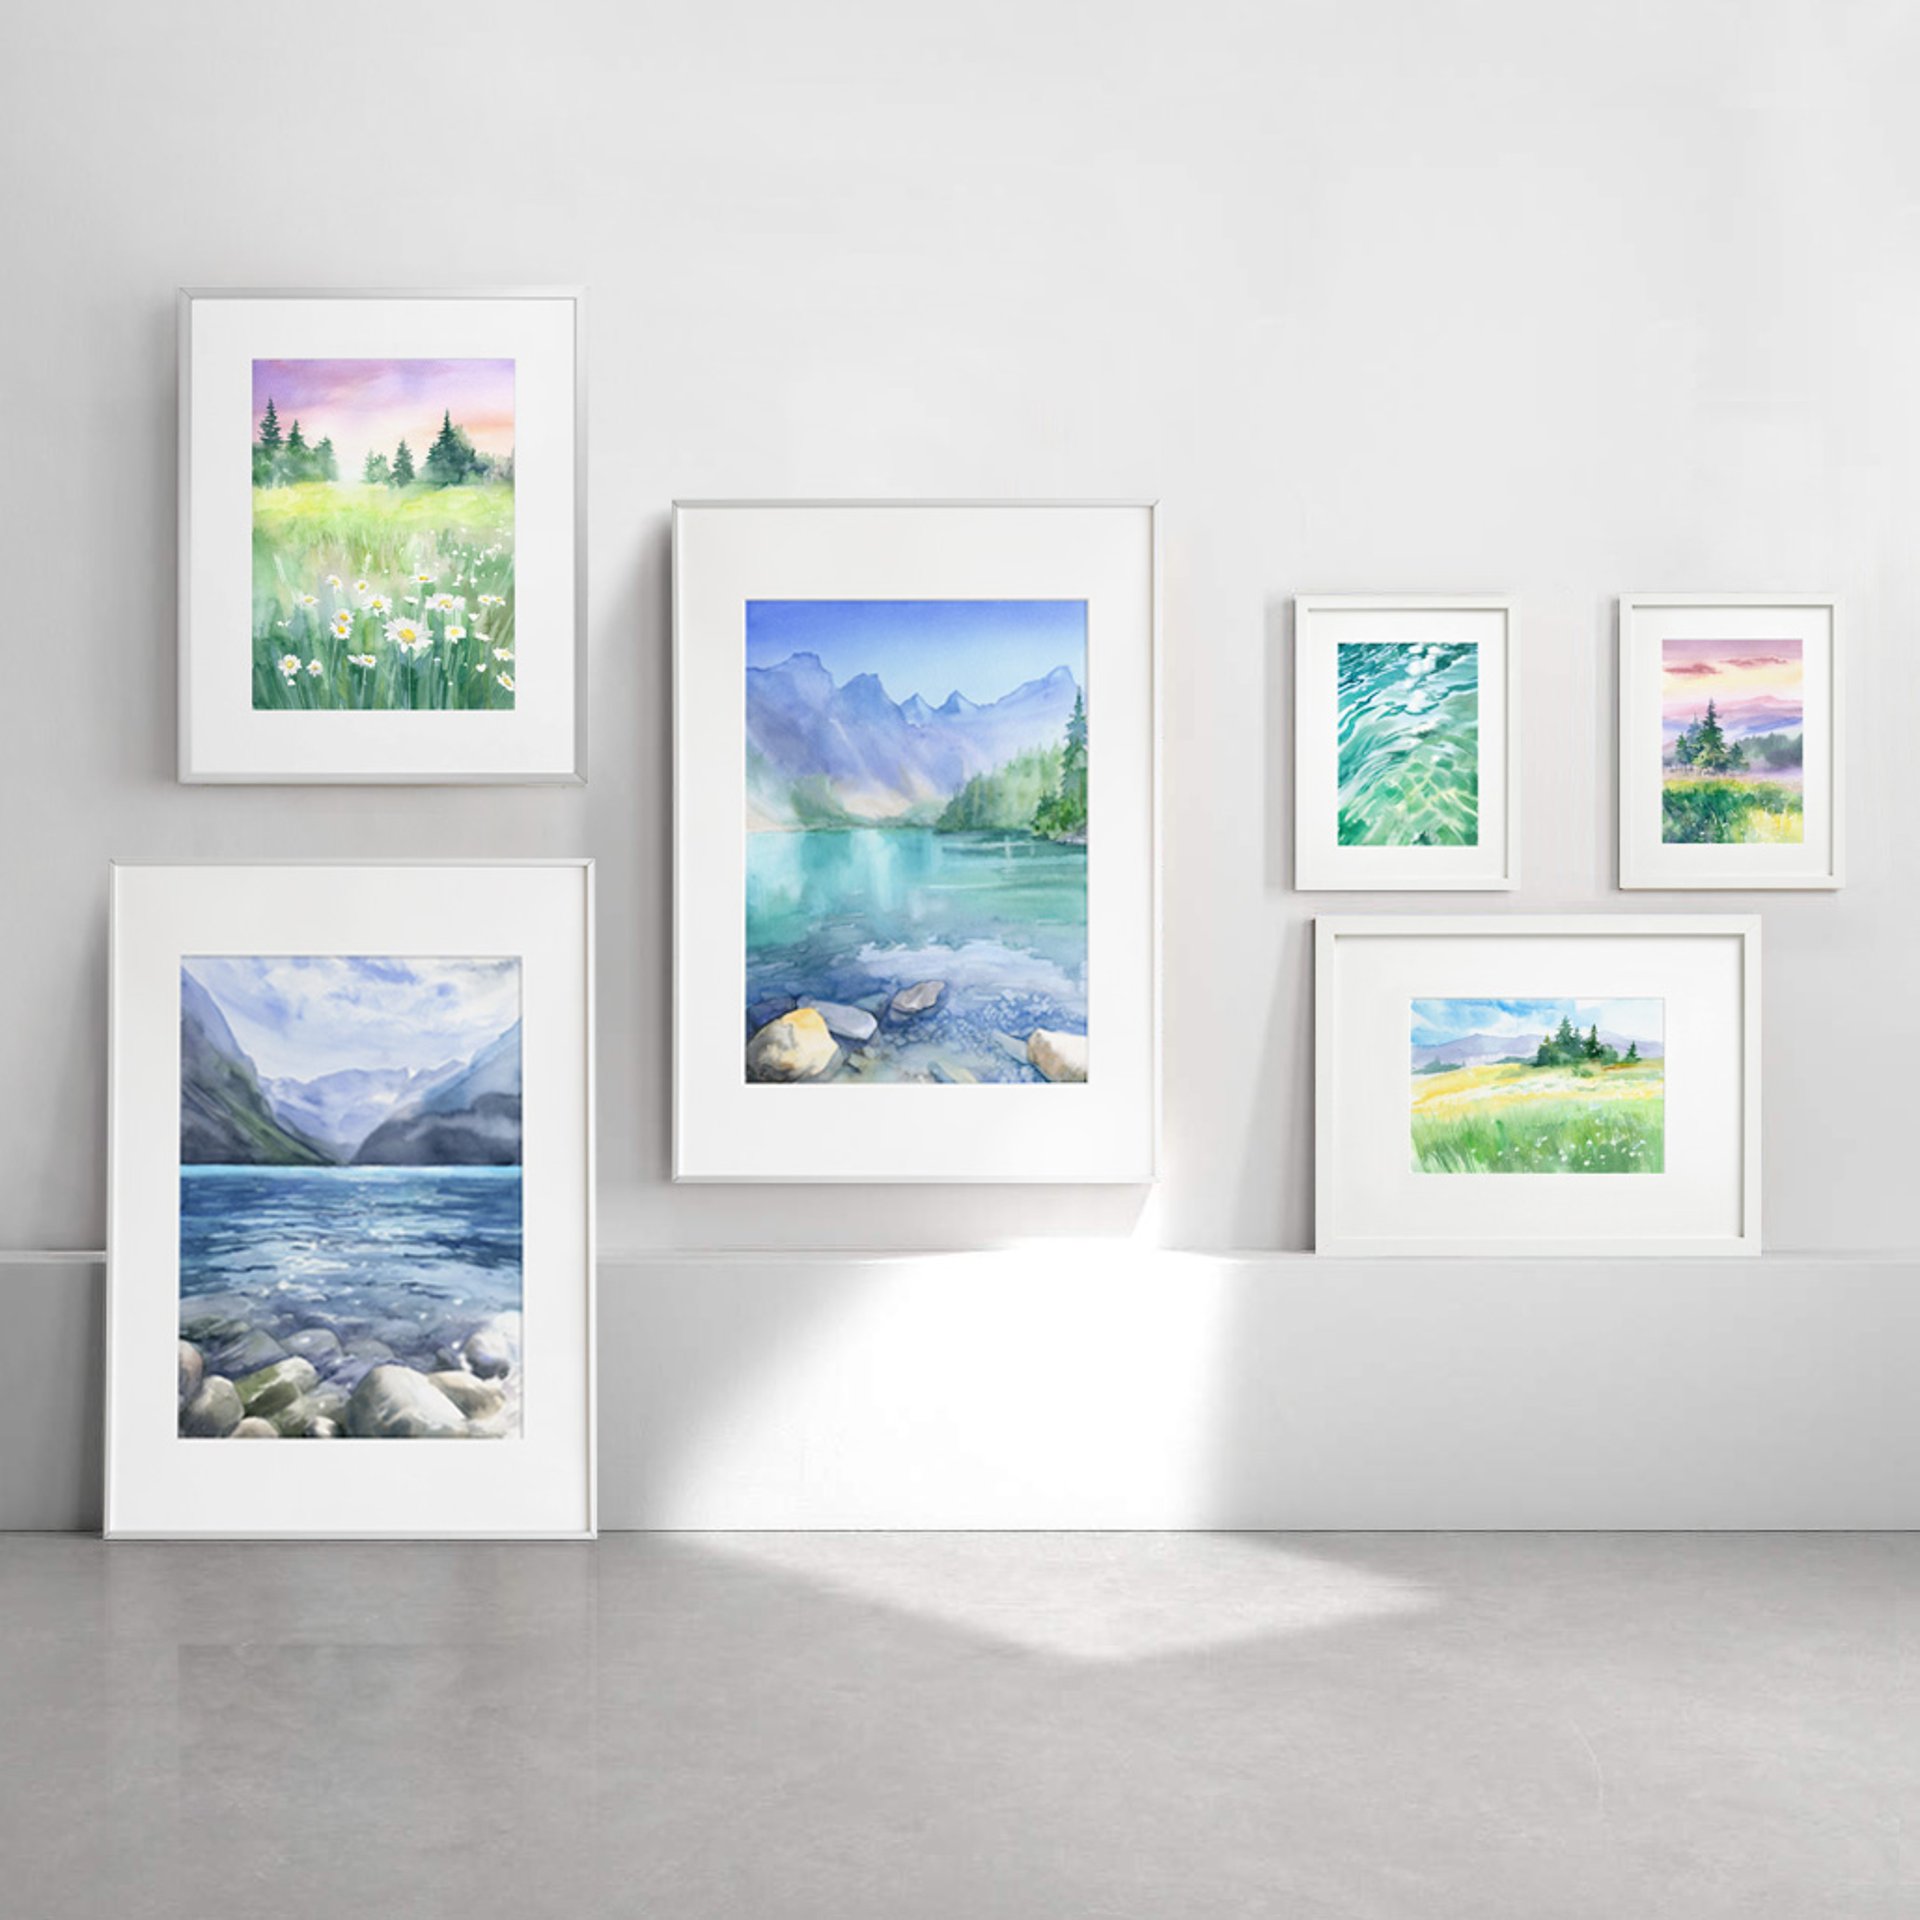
(1705, 808)
(376, 597)
(1512, 1118)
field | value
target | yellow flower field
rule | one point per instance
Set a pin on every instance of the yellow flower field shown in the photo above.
(1509, 1117)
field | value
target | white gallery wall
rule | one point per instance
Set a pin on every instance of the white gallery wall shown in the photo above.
(1557, 301)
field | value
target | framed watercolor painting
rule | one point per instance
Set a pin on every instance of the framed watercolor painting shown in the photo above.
(1406, 715)
(916, 829)
(1512, 1084)
(382, 523)
(1730, 742)
(351, 1197)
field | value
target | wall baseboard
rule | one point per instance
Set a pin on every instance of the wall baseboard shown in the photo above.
(1082, 1385)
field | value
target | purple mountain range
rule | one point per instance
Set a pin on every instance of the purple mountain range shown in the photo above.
(1476, 1049)
(817, 750)
(1739, 719)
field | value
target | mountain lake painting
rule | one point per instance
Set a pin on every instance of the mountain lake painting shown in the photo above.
(916, 841)
(1539, 1086)
(1409, 734)
(383, 535)
(349, 1198)
(1732, 732)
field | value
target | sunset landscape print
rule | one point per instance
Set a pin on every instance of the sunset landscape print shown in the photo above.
(383, 523)
(1732, 730)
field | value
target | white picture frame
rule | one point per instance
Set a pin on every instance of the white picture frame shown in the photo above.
(1372, 1199)
(223, 736)
(1808, 623)
(1325, 623)
(533, 1474)
(1103, 555)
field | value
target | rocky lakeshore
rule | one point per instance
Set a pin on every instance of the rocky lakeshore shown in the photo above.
(916, 1031)
(251, 1372)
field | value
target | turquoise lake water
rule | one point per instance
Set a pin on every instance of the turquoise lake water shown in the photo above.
(1409, 718)
(855, 915)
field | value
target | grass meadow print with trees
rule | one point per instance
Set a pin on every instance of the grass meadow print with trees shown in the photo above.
(1539, 1086)
(383, 535)
(1732, 730)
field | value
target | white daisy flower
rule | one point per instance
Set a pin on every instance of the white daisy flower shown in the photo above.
(309, 600)
(315, 668)
(409, 634)
(506, 680)
(362, 659)
(503, 653)
(456, 633)
(379, 603)
(289, 664)
(342, 624)
(333, 581)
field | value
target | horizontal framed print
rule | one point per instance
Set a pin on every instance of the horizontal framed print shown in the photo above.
(1730, 741)
(382, 528)
(1511, 1084)
(351, 1199)
(916, 831)
(1406, 715)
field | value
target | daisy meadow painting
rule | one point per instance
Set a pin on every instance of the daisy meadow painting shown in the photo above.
(383, 521)
(350, 1214)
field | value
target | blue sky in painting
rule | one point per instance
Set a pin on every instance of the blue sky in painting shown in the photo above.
(302, 1015)
(1435, 1022)
(979, 648)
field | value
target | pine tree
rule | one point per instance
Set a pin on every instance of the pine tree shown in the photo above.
(296, 458)
(375, 472)
(1593, 1042)
(449, 460)
(270, 427)
(402, 475)
(1710, 750)
(1633, 1052)
(325, 466)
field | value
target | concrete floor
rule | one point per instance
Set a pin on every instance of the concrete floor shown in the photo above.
(975, 1726)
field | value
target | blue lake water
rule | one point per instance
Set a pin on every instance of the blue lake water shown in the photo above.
(414, 1258)
(855, 915)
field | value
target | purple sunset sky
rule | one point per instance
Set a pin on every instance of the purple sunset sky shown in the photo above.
(370, 405)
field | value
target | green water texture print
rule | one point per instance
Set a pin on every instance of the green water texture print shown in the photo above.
(1409, 730)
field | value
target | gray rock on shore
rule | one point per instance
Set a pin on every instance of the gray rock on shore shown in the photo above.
(845, 1023)
(395, 1403)
(490, 1351)
(254, 1428)
(279, 1385)
(1060, 1056)
(476, 1398)
(213, 1411)
(245, 1352)
(920, 998)
(320, 1346)
(192, 1370)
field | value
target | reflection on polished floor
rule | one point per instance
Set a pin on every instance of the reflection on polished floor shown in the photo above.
(919, 1726)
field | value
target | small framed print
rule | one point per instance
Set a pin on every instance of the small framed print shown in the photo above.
(1512, 1084)
(351, 1199)
(382, 522)
(1406, 714)
(1731, 765)
(916, 818)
